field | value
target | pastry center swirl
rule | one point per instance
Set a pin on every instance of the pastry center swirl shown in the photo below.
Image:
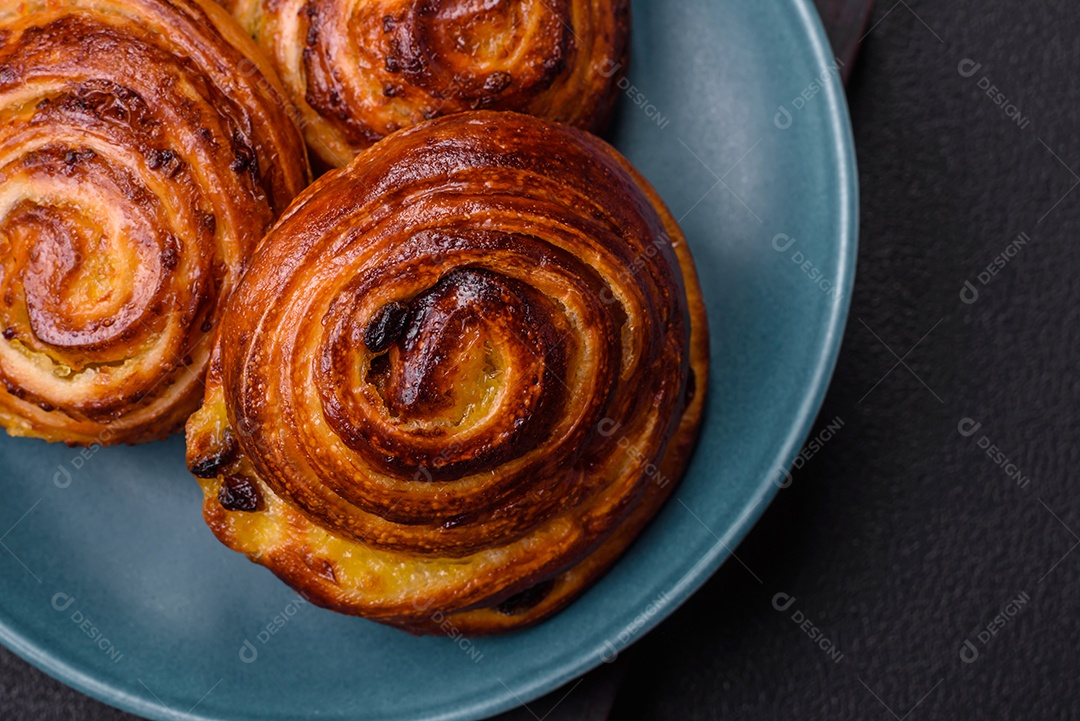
(136, 141)
(457, 390)
(474, 378)
(82, 283)
(475, 48)
(460, 341)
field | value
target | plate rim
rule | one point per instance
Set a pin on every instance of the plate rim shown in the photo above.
(838, 119)
(838, 122)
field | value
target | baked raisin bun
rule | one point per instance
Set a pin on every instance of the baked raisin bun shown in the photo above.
(359, 70)
(457, 379)
(145, 148)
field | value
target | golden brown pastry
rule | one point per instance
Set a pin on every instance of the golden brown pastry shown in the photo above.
(145, 148)
(359, 70)
(459, 377)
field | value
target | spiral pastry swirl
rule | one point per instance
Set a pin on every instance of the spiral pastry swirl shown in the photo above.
(359, 70)
(461, 374)
(145, 148)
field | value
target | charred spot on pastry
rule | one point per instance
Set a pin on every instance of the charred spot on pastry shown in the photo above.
(74, 157)
(239, 494)
(170, 254)
(159, 158)
(497, 82)
(529, 598)
(165, 161)
(9, 333)
(406, 54)
(244, 155)
(387, 325)
(243, 161)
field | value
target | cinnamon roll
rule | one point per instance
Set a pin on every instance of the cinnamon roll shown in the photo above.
(359, 70)
(460, 376)
(145, 148)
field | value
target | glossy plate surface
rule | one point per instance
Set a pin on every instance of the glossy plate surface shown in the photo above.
(110, 581)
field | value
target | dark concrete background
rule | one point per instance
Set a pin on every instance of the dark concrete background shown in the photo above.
(901, 539)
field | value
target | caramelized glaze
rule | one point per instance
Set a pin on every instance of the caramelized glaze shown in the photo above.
(359, 70)
(143, 154)
(466, 366)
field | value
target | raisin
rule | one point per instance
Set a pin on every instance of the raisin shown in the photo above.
(389, 323)
(208, 467)
(160, 158)
(239, 494)
(529, 598)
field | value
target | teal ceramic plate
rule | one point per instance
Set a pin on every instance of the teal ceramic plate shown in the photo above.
(110, 582)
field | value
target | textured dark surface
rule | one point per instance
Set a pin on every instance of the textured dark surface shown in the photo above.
(901, 539)
(846, 22)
